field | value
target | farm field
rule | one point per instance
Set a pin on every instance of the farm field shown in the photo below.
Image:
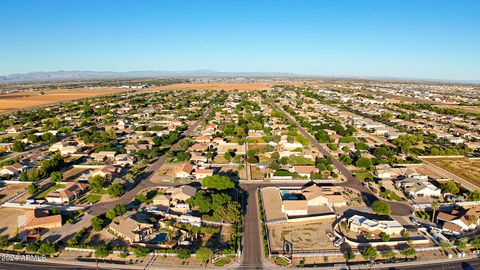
(23, 100)
(468, 169)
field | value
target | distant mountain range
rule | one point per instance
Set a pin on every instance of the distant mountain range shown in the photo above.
(88, 75)
(97, 75)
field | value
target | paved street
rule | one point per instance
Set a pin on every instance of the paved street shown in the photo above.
(398, 209)
(252, 243)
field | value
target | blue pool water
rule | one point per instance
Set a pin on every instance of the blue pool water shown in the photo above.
(160, 238)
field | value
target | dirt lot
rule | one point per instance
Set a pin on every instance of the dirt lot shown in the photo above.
(31, 99)
(468, 169)
(9, 221)
(10, 189)
(305, 236)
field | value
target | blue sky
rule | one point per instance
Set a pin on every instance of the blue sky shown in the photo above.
(415, 39)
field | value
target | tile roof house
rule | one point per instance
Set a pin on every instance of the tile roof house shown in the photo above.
(39, 218)
(66, 195)
(202, 173)
(13, 169)
(130, 230)
(459, 221)
(182, 193)
(305, 170)
(183, 170)
(199, 147)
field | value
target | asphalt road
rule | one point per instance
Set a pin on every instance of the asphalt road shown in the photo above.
(398, 209)
(471, 264)
(30, 265)
(252, 255)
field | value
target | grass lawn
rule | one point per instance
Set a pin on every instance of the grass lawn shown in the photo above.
(91, 198)
(281, 261)
(54, 187)
(363, 174)
(221, 261)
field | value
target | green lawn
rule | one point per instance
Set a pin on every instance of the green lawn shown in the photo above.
(221, 262)
(54, 187)
(281, 261)
(363, 174)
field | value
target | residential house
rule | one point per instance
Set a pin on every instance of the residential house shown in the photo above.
(202, 173)
(103, 155)
(14, 169)
(183, 170)
(304, 170)
(359, 224)
(66, 195)
(130, 230)
(459, 221)
(39, 218)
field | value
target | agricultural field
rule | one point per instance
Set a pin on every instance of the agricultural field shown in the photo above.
(23, 100)
(468, 169)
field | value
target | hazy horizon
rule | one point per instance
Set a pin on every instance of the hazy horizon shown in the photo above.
(423, 40)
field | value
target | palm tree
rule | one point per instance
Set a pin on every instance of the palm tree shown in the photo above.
(434, 208)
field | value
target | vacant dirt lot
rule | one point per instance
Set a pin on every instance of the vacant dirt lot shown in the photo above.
(9, 221)
(17, 101)
(305, 236)
(468, 169)
(10, 189)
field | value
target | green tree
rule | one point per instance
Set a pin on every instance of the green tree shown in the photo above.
(47, 248)
(102, 251)
(435, 207)
(218, 182)
(97, 223)
(475, 241)
(385, 237)
(183, 253)
(204, 254)
(228, 213)
(32, 188)
(445, 244)
(56, 176)
(461, 243)
(450, 187)
(3, 241)
(388, 254)
(348, 255)
(18, 146)
(363, 163)
(141, 252)
(369, 253)
(117, 210)
(408, 252)
(381, 207)
(115, 190)
(96, 183)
